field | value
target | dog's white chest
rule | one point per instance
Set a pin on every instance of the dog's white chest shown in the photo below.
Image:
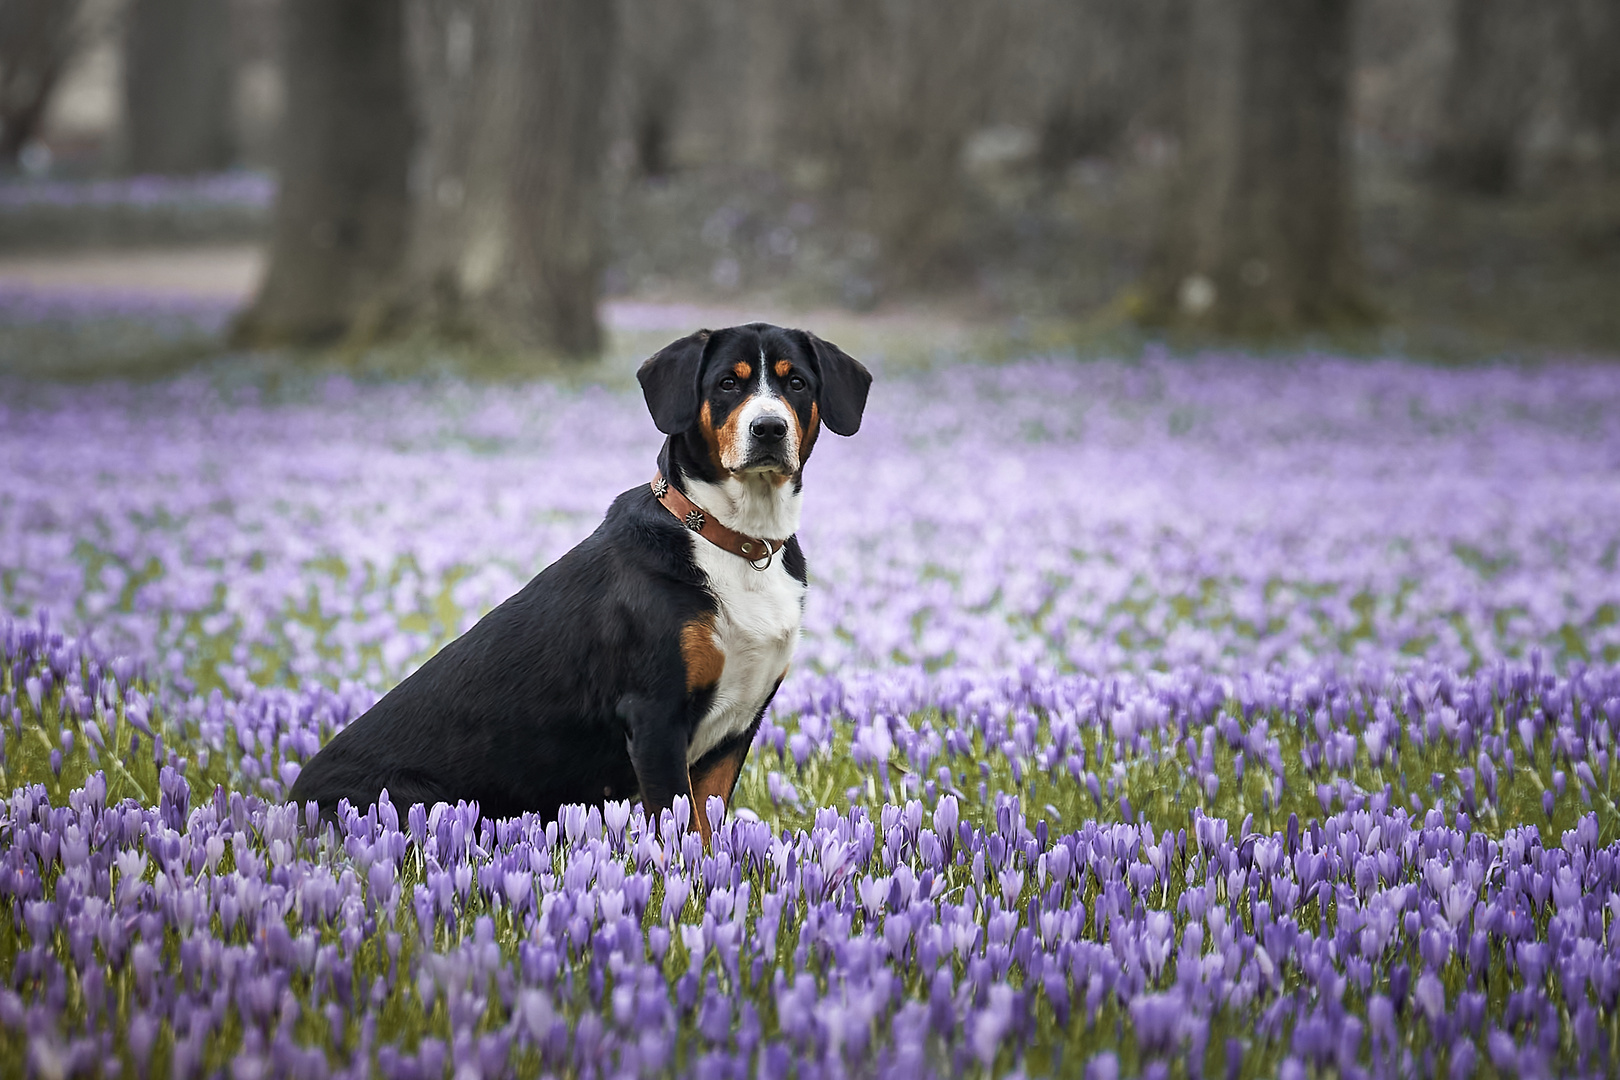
(755, 628)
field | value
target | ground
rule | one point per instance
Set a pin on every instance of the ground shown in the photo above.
(1154, 715)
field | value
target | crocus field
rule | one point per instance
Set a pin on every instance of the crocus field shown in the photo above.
(1196, 717)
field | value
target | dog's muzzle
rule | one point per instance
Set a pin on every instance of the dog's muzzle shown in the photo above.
(771, 445)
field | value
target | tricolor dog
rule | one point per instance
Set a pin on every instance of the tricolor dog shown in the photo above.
(641, 662)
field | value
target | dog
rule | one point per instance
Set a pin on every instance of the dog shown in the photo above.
(640, 663)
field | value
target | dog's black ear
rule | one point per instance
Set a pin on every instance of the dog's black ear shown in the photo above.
(844, 383)
(669, 381)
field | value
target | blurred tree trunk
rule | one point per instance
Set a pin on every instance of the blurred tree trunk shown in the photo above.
(1203, 69)
(177, 86)
(662, 39)
(1111, 75)
(342, 217)
(882, 98)
(507, 245)
(1257, 235)
(37, 38)
(1592, 31)
(1489, 93)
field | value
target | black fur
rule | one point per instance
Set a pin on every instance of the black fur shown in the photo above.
(844, 383)
(670, 382)
(574, 689)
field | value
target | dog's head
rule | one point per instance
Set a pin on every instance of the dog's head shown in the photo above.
(755, 395)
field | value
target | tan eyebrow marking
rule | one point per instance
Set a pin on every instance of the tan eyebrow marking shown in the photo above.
(783, 367)
(742, 370)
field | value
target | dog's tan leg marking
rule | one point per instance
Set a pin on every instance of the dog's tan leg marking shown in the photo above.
(721, 780)
(700, 820)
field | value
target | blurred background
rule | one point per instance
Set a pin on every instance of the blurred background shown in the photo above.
(540, 185)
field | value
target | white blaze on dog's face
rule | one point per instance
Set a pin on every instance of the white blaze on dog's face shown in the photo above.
(763, 429)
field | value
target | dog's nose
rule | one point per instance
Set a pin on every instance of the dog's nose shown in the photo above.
(768, 428)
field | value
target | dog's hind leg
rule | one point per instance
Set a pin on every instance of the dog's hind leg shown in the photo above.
(406, 791)
(403, 792)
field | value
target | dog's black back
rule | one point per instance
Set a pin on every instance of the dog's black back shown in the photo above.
(521, 713)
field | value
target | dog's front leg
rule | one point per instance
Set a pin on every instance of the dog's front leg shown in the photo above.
(655, 734)
(716, 774)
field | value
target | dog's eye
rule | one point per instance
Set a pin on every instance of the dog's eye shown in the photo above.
(796, 383)
(728, 384)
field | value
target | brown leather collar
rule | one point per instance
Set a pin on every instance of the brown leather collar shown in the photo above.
(758, 552)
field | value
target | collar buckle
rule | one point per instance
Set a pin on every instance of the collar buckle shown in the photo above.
(761, 564)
